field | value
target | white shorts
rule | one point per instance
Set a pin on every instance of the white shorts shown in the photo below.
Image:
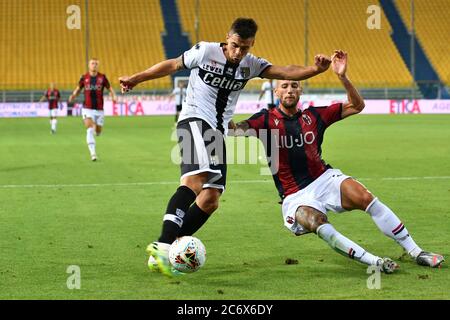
(322, 194)
(98, 116)
(53, 113)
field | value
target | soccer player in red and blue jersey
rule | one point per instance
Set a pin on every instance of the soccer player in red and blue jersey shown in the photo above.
(93, 83)
(52, 95)
(308, 186)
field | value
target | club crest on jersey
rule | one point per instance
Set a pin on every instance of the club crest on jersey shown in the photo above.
(289, 220)
(245, 72)
(307, 119)
(230, 71)
(276, 122)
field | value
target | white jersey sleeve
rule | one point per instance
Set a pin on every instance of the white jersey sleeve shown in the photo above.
(193, 57)
(258, 66)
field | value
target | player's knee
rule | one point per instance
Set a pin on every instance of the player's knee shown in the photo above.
(310, 218)
(209, 205)
(208, 200)
(319, 219)
(195, 182)
(365, 199)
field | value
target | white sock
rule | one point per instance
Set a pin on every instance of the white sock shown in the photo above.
(345, 246)
(53, 123)
(390, 225)
(90, 140)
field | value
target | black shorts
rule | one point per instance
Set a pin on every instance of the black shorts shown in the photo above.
(202, 149)
(179, 107)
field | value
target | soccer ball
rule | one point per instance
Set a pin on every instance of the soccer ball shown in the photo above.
(187, 254)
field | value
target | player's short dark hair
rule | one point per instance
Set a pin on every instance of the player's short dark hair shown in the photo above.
(245, 28)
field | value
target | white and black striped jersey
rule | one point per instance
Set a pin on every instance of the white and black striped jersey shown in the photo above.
(215, 84)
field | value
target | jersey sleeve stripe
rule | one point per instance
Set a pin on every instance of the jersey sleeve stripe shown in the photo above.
(182, 60)
(262, 71)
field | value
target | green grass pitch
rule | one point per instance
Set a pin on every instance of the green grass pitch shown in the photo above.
(50, 221)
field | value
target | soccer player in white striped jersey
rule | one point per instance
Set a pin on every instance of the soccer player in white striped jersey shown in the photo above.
(219, 71)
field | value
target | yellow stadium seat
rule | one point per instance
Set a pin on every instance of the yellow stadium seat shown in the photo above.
(126, 37)
(432, 28)
(373, 58)
(38, 48)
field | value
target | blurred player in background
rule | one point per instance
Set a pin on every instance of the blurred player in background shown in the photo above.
(219, 71)
(93, 83)
(179, 94)
(267, 91)
(309, 187)
(52, 95)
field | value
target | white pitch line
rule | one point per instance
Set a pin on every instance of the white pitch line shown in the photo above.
(157, 183)
(416, 178)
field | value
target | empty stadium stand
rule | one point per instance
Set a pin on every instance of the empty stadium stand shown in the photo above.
(432, 29)
(126, 37)
(374, 60)
(38, 48)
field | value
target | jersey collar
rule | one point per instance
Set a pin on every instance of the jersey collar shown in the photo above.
(284, 115)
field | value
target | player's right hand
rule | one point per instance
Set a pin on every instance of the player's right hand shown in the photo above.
(126, 84)
(322, 62)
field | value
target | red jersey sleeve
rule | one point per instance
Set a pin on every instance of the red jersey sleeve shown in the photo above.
(81, 82)
(258, 121)
(330, 114)
(106, 84)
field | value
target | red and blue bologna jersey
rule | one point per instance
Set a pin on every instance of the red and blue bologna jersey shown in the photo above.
(293, 144)
(93, 90)
(52, 97)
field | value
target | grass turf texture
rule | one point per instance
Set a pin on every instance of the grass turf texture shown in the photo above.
(105, 229)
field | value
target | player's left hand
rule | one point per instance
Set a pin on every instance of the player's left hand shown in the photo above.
(339, 62)
(322, 62)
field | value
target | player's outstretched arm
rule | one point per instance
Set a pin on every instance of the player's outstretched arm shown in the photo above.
(74, 94)
(321, 64)
(355, 101)
(156, 71)
(112, 93)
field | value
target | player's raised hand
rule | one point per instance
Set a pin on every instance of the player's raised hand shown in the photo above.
(322, 62)
(126, 84)
(339, 62)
